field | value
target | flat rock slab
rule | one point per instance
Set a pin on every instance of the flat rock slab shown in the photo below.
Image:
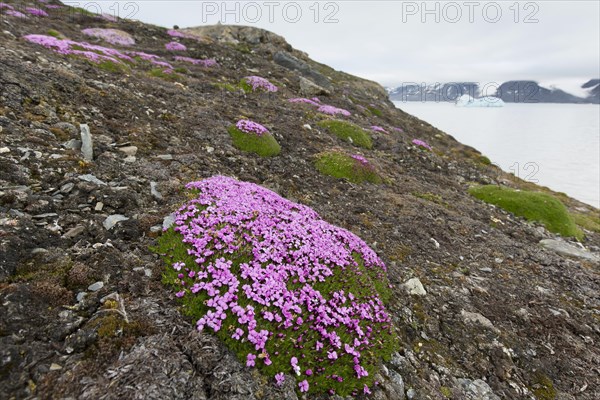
(565, 249)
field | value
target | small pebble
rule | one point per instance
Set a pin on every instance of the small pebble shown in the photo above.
(94, 287)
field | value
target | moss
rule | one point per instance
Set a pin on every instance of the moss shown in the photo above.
(533, 206)
(589, 221)
(263, 145)
(227, 86)
(245, 86)
(542, 387)
(446, 392)
(484, 160)
(160, 73)
(434, 198)
(358, 280)
(112, 67)
(343, 166)
(53, 33)
(348, 131)
(181, 70)
(375, 111)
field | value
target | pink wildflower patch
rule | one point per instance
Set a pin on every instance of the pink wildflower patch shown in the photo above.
(175, 46)
(204, 63)
(303, 386)
(303, 100)
(16, 14)
(7, 6)
(259, 83)
(421, 143)
(379, 129)
(93, 53)
(279, 378)
(112, 36)
(331, 110)
(36, 11)
(247, 126)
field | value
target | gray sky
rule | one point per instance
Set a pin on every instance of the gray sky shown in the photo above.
(553, 42)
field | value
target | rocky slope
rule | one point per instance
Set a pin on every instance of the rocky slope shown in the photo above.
(481, 309)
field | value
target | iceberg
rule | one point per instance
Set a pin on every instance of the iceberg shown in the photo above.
(467, 101)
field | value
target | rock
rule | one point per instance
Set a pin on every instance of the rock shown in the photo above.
(112, 220)
(46, 215)
(91, 178)
(288, 61)
(397, 383)
(154, 192)
(74, 232)
(308, 88)
(87, 145)
(168, 221)
(129, 159)
(67, 187)
(411, 393)
(476, 318)
(81, 296)
(4, 150)
(55, 367)
(94, 287)
(476, 390)
(72, 144)
(165, 157)
(99, 206)
(568, 250)
(129, 150)
(414, 286)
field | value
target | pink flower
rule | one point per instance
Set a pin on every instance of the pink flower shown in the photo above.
(308, 372)
(36, 11)
(366, 390)
(250, 360)
(421, 143)
(331, 110)
(247, 126)
(279, 378)
(175, 46)
(259, 83)
(303, 386)
(112, 36)
(180, 294)
(376, 128)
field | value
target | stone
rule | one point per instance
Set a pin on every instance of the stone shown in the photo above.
(87, 145)
(129, 159)
(154, 192)
(94, 287)
(129, 150)
(414, 286)
(476, 390)
(308, 88)
(92, 179)
(4, 150)
(568, 250)
(74, 232)
(99, 206)
(81, 296)
(55, 367)
(288, 61)
(410, 394)
(165, 157)
(67, 187)
(476, 318)
(168, 221)
(72, 144)
(112, 220)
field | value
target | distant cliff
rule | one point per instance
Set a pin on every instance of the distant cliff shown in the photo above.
(517, 91)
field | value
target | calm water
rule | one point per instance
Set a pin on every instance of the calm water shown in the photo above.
(557, 145)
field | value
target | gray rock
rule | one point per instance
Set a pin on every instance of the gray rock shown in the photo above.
(72, 144)
(168, 221)
(414, 286)
(165, 157)
(568, 250)
(129, 150)
(476, 390)
(94, 287)
(288, 61)
(410, 394)
(74, 232)
(308, 88)
(112, 220)
(155, 191)
(87, 145)
(4, 150)
(67, 187)
(476, 318)
(81, 296)
(91, 178)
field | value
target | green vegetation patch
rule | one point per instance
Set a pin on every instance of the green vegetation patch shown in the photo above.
(588, 221)
(533, 206)
(264, 145)
(160, 73)
(354, 167)
(348, 131)
(292, 295)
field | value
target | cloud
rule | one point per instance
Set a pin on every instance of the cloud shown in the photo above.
(391, 42)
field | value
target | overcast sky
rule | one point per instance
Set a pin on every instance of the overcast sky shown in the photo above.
(553, 42)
